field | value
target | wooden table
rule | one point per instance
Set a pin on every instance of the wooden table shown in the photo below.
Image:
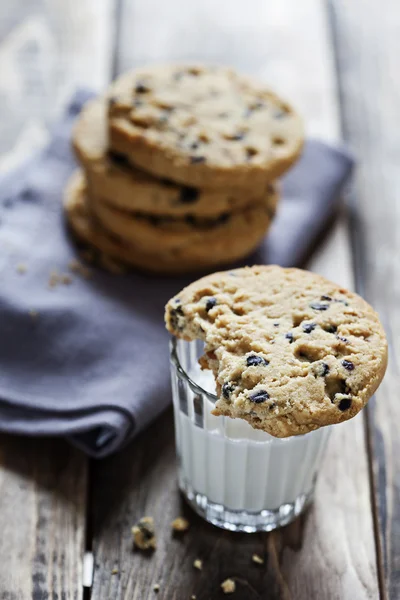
(339, 61)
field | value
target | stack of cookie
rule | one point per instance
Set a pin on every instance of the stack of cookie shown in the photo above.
(179, 167)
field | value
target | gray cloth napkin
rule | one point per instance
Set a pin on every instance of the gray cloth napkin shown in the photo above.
(93, 364)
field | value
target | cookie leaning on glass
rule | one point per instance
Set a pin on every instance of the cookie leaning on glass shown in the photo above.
(290, 350)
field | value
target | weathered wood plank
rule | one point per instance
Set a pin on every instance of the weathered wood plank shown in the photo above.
(368, 48)
(42, 519)
(47, 48)
(331, 553)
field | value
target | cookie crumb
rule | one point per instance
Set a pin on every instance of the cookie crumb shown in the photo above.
(143, 534)
(114, 571)
(228, 586)
(156, 587)
(180, 524)
(54, 279)
(22, 268)
(193, 597)
(33, 314)
(66, 279)
(198, 564)
(257, 559)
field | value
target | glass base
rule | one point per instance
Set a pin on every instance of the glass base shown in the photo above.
(240, 520)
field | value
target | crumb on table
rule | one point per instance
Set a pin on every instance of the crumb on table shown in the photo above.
(198, 564)
(156, 587)
(66, 279)
(228, 586)
(180, 524)
(114, 571)
(80, 269)
(257, 559)
(54, 279)
(22, 268)
(144, 534)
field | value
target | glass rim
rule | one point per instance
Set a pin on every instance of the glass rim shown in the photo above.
(195, 387)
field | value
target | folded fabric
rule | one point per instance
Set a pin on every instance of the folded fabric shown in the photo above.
(89, 360)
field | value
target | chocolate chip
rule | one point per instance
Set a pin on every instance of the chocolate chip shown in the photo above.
(250, 152)
(256, 105)
(177, 300)
(260, 396)
(120, 159)
(276, 324)
(342, 301)
(141, 88)
(227, 390)
(197, 159)
(167, 182)
(342, 339)
(194, 145)
(348, 365)
(330, 328)
(289, 336)
(112, 101)
(321, 369)
(223, 218)
(155, 220)
(344, 404)
(211, 302)
(236, 137)
(319, 306)
(326, 298)
(309, 327)
(253, 361)
(173, 314)
(189, 195)
(272, 406)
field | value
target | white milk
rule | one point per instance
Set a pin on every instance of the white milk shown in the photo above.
(236, 466)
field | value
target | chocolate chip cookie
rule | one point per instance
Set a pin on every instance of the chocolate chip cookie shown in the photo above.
(290, 350)
(110, 175)
(203, 127)
(237, 233)
(218, 247)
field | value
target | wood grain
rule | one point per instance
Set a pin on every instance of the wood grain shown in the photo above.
(47, 48)
(42, 514)
(370, 87)
(331, 552)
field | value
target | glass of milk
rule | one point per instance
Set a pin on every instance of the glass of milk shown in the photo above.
(236, 477)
